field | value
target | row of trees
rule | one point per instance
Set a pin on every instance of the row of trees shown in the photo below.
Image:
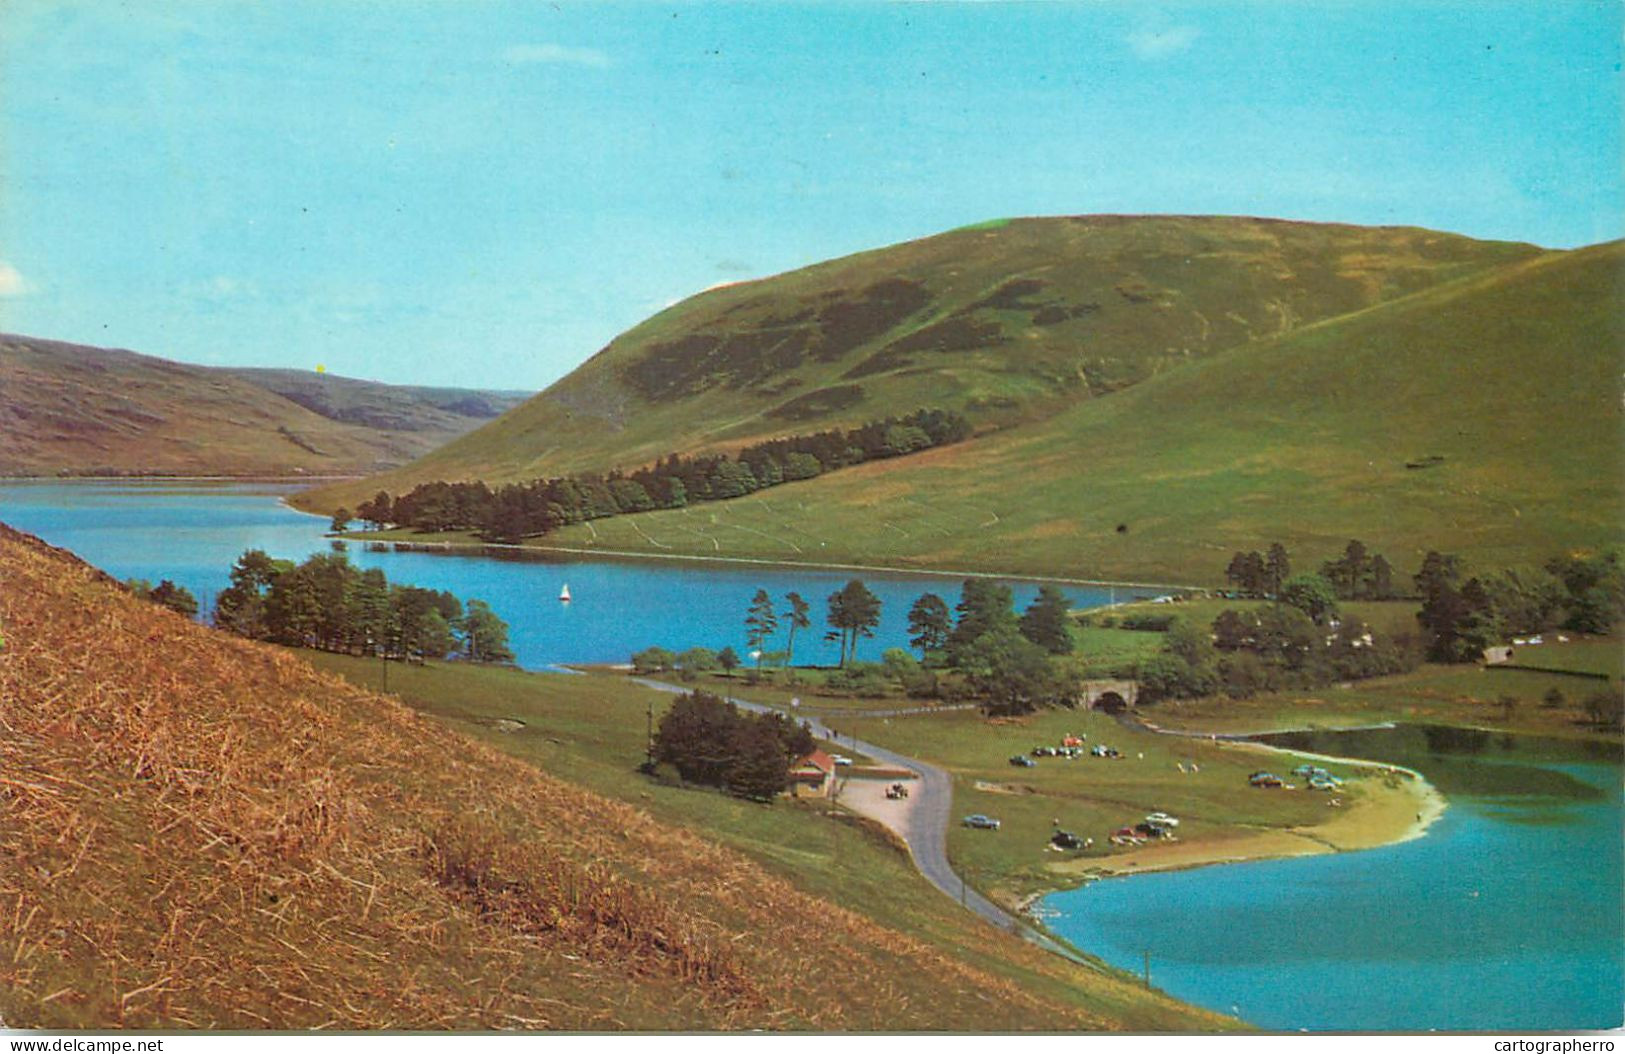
(522, 509)
(713, 742)
(327, 603)
(1358, 574)
(1000, 658)
(1462, 616)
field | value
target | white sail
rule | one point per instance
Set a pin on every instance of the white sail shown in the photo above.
(564, 594)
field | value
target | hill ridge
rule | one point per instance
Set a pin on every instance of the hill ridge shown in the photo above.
(71, 409)
(1007, 323)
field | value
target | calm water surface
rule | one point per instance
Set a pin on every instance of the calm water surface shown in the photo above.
(193, 532)
(1507, 915)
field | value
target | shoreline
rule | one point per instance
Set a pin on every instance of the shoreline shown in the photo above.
(449, 546)
(1404, 811)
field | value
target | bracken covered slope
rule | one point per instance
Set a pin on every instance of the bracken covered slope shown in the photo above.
(202, 832)
(1006, 322)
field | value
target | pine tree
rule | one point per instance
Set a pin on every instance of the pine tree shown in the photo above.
(1045, 621)
(798, 617)
(760, 624)
(930, 623)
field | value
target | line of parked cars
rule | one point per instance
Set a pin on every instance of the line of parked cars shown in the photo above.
(1314, 776)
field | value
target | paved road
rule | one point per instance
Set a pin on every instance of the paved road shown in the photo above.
(925, 826)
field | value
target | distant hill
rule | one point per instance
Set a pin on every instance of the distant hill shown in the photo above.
(69, 409)
(1008, 322)
(200, 832)
(1482, 416)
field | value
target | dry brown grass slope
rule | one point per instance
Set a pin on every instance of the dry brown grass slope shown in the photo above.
(202, 832)
(68, 409)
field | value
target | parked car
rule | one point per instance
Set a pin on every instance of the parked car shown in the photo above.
(1265, 779)
(1066, 840)
(1022, 761)
(985, 823)
(1162, 819)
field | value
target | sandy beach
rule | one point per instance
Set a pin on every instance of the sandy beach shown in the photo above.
(1387, 805)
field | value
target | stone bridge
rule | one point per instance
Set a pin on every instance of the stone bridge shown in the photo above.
(1112, 697)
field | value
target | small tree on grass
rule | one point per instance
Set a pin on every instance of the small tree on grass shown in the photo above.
(695, 661)
(728, 659)
(1553, 699)
(341, 520)
(1604, 709)
(1509, 707)
(1312, 595)
(1046, 621)
(653, 660)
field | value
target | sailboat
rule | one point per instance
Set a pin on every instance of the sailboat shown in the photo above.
(564, 594)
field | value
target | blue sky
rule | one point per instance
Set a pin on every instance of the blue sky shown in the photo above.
(484, 193)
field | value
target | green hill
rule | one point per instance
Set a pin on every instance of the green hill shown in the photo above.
(1008, 322)
(1482, 417)
(69, 409)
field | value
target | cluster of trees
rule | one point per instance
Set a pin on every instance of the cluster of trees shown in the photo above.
(327, 603)
(713, 742)
(1358, 574)
(1462, 616)
(522, 509)
(1004, 660)
(1268, 649)
(167, 594)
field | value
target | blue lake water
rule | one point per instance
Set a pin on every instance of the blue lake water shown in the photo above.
(192, 532)
(1507, 915)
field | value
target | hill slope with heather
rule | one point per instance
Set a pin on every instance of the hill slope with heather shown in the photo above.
(1006, 322)
(1482, 417)
(69, 409)
(200, 832)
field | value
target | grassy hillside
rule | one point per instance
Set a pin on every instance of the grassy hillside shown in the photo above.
(1503, 389)
(1007, 322)
(74, 410)
(387, 407)
(201, 832)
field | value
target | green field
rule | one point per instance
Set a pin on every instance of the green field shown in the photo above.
(1453, 695)
(590, 730)
(1606, 657)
